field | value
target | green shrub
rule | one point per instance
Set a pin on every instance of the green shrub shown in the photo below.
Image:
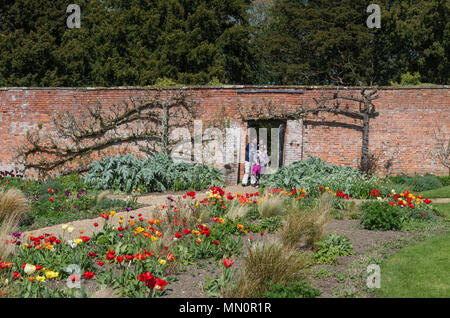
(424, 183)
(291, 290)
(445, 180)
(331, 247)
(399, 179)
(379, 215)
(417, 183)
(313, 172)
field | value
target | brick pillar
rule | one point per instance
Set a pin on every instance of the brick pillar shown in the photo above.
(293, 141)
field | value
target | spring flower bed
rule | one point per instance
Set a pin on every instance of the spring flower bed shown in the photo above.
(414, 206)
(60, 200)
(141, 256)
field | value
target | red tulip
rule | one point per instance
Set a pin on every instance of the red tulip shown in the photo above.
(160, 283)
(88, 275)
(228, 263)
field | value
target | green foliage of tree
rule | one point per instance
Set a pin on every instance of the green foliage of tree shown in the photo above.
(315, 42)
(192, 42)
(124, 43)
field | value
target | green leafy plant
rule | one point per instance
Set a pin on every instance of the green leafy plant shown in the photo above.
(445, 180)
(331, 247)
(159, 173)
(336, 214)
(291, 290)
(380, 215)
(313, 172)
(353, 216)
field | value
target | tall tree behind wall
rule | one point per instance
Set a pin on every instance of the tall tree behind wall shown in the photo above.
(316, 42)
(124, 42)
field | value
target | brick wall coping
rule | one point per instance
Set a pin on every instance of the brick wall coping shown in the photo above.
(224, 87)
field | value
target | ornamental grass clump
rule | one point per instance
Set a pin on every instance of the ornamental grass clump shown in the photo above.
(268, 262)
(306, 225)
(237, 211)
(271, 206)
(13, 208)
(13, 204)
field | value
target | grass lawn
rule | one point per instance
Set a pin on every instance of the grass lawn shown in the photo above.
(443, 192)
(421, 270)
(442, 209)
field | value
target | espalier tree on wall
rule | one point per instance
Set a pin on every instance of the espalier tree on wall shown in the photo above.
(82, 137)
(331, 103)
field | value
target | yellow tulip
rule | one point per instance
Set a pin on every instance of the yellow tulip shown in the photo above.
(78, 241)
(70, 229)
(162, 261)
(64, 226)
(51, 274)
(40, 279)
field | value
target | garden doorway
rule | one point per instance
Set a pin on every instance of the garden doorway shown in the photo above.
(272, 132)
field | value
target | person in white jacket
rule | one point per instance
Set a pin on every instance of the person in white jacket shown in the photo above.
(264, 158)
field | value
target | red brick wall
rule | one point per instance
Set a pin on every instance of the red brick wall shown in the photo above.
(403, 131)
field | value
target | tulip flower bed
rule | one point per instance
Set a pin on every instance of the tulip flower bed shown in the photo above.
(142, 256)
(137, 257)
